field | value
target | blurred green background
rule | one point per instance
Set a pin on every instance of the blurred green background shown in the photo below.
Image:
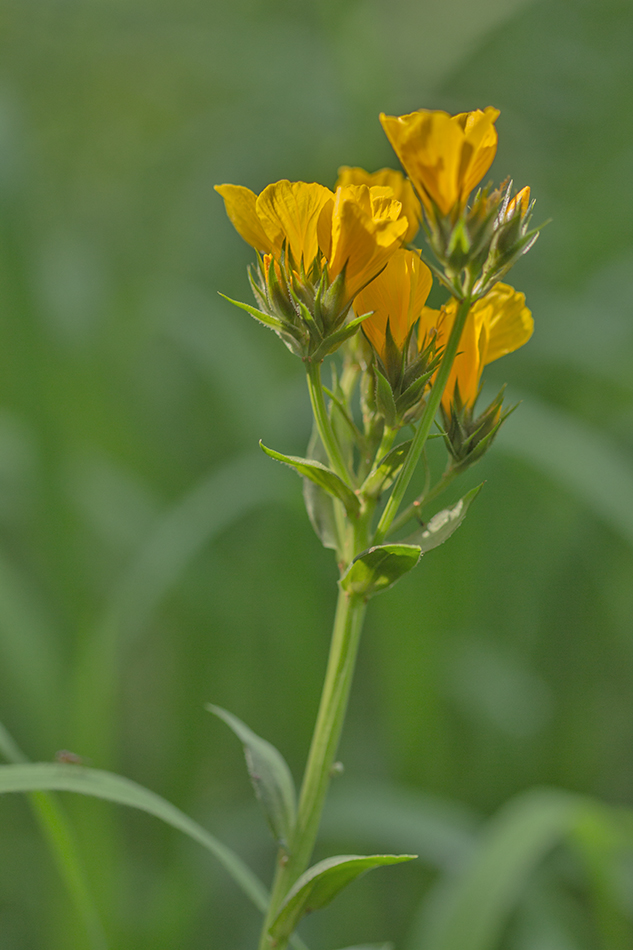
(152, 561)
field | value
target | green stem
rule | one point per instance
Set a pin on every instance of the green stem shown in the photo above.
(57, 831)
(324, 425)
(391, 508)
(425, 498)
(348, 622)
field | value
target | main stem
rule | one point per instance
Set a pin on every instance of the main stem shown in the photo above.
(322, 418)
(348, 622)
(421, 435)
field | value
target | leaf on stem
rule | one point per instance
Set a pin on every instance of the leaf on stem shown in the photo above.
(320, 504)
(443, 524)
(379, 568)
(320, 885)
(321, 476)
(386, 469)
(269, 321)
(269, 774)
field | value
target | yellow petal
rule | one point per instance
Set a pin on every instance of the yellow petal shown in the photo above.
(397, 295)
(240, 205)
(522, 198)
(390, 178)
(510, 323)
(290, 210)
(445, 156)
(428, 145)
(366, 230)
(479, 149)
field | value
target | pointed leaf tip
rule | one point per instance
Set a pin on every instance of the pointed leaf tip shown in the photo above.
(322, 476)
(443, 524)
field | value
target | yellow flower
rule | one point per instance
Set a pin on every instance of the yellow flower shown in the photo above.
(359, 229)
(397, 295)
(285, 211)
(444, 156)
(388, 178)
(497, 324)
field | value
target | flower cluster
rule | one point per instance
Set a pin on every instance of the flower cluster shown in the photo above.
(335, 263)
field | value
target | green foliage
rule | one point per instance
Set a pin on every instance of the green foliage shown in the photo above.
(321, 883)
(270, 776)
(443, 524)
(379, 568)
(321, 476)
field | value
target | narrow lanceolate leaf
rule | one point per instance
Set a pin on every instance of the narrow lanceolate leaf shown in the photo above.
(270, 775)
(386, 469)
(443, 524)
(265, 318)
(320, 884)
(379, 568)
(321, 476)
(51, 776)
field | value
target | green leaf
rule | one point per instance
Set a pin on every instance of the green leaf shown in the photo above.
(320, 504)
(379, 568)
(51, 776)
(383, 474)
(270, 775)
(323, 477)
(443, 524)
(272, 322)
(320, 885)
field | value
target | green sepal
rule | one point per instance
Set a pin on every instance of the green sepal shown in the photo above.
(379, 568)
(321, 883)
(385, 403)
(443, 524)
(321, 476)
(320, 504)
(334, 340)
(270, 776)
(386, 469)
(272, 322)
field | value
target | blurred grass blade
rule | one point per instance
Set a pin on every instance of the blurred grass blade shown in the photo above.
(470, 910)
(269, 774)
(42, 776)
(58, 832)
(583, 459)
